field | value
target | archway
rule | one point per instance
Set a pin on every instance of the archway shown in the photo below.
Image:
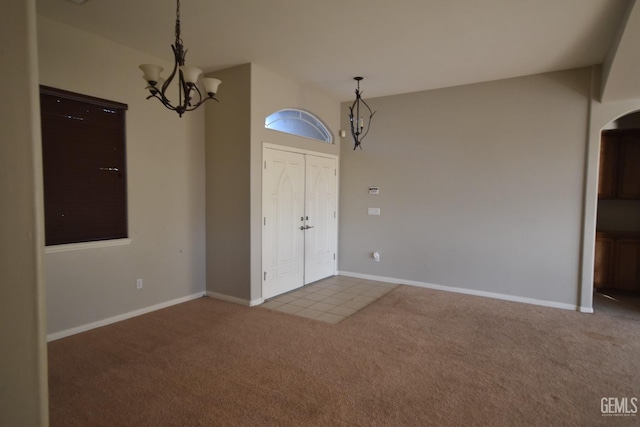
(616, 276)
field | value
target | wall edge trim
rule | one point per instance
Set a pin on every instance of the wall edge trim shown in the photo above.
(120, 317)
(235, 300)
(494, 295)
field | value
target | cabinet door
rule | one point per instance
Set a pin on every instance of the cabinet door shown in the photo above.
(603, 262)
(629, 178)
(607, 177)
(626, 270)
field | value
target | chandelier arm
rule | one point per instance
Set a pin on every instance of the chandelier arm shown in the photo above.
(353, 106)
(183, 93)
(193, 89)
(193, 107)
(368, 126)
(167, 82)
(354, 132)
(163, 101)
(371, 113)
(358, 99)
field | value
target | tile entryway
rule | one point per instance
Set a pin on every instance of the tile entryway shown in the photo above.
(330, 300)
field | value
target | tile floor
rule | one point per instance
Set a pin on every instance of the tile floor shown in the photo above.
(330, 300)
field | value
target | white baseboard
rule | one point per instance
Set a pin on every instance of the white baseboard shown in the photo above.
(236, 300)
(104, 322)
(465, 291)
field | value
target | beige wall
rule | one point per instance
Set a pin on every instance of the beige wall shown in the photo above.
(227, 174)
(23, 363)
(629, 121)
(481, 187)
(248, 94)
(165, 164)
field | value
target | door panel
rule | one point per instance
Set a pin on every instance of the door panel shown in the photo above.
(283, 212)
(320, 214)
(299, 230)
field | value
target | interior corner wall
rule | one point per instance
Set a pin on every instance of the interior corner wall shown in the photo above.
(23, 352)
(271, 92)
(165, 186)
(481, 188)
(227, 130)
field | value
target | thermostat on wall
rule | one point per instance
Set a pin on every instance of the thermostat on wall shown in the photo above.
(374, 190)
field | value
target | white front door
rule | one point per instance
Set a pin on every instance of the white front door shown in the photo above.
(283, 222)
(320, 218)
(299, 209)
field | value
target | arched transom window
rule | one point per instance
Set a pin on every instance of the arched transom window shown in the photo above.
(298, 122)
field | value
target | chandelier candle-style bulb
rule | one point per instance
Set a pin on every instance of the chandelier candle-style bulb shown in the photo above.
(190, 74)
(151, 73)
(190, 96)
(210, 85)
(356, 120)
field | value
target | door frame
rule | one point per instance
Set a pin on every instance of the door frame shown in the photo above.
(290, 149)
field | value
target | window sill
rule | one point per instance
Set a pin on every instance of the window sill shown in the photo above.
(86, 245)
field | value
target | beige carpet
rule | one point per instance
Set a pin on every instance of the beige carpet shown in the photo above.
(414, 357)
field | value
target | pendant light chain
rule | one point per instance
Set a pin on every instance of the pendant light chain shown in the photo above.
(179, 45)
(178, 22)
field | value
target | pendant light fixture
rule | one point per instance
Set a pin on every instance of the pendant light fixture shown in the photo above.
(190, 96)
(356, 119)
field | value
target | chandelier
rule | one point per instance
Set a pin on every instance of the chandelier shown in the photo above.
(357, 120)
(190, 96)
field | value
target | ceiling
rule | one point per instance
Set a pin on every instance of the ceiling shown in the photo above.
(398, 46)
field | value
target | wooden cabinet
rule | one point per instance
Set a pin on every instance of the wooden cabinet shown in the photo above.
(629, 162)
(603, 263)
(626, 260)
(607, 178)
(617, 253)
(619, 176)
(617, 261)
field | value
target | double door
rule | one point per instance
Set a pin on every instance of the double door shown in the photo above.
(299, 224)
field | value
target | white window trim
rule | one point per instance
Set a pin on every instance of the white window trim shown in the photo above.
(86, 245)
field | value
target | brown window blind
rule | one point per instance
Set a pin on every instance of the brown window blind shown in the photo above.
(84, 167)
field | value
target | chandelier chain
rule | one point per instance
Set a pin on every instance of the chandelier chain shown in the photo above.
(178, 39)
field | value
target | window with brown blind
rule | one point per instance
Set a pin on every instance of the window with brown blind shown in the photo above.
(84, 167)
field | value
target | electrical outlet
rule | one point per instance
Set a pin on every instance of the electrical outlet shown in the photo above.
(139, 284)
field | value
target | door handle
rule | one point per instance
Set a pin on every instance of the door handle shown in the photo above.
(308, 227)
(302, 228)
